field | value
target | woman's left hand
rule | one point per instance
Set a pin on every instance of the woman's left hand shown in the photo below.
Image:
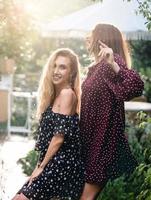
(106, 53)
(35, 174)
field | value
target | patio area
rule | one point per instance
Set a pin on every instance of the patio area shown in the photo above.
(12, 178)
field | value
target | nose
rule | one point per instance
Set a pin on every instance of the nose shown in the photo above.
(56, 70)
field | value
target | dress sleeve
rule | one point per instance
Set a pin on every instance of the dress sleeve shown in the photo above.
(63, 124)
(126, 84)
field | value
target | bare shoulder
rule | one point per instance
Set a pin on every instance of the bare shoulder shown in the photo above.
(67, 101)
(68, 95)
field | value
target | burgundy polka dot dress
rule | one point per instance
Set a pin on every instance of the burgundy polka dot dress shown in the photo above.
(105, 147)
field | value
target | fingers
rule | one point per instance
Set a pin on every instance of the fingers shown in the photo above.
(20, 196)
(102, 44)
(104, 53)
(30, 182)
(31, 179)
(23, 197)
(16, 197)
(35, 175)
(99, 54)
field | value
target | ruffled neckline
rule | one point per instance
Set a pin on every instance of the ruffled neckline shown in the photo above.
(62, 115)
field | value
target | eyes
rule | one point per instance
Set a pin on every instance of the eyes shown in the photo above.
(62, 67)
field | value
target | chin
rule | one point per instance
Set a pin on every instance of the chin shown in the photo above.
(57, 83)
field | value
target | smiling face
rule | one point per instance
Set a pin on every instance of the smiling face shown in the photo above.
(61, 71)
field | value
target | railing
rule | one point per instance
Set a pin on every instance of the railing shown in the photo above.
(137, 106)
(129, 106)
(27, 127)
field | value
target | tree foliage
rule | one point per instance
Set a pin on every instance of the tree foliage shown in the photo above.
(144, 8)
(16, 31)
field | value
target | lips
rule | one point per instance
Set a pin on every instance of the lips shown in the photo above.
(56, 77)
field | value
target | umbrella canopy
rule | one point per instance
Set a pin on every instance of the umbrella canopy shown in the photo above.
(121, 14)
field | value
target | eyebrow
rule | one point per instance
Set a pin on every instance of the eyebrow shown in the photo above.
(62, 65)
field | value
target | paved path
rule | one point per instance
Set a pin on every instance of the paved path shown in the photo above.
(11, 176)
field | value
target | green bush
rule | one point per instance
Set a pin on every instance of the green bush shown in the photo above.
(29, 162)
(147, 85)
(138, 185)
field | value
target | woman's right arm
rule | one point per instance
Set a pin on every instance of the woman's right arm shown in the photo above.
(65, 108)
(125, 83)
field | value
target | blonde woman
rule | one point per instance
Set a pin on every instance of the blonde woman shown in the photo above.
(59, 172)
(109, 83)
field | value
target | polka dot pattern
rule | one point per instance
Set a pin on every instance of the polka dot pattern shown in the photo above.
(63, 176)
(105, 148)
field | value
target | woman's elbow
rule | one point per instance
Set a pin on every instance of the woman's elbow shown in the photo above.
(58, 139)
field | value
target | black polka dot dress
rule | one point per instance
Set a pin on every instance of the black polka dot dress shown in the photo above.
(106, 151)
(63, 176)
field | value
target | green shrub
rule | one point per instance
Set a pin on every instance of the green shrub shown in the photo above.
(29, 162)
(147, 84)
(138, 185)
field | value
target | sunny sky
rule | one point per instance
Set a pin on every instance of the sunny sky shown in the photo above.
(51, 9)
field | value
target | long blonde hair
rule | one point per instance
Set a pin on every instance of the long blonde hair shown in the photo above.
(46, 90)
(113, 38)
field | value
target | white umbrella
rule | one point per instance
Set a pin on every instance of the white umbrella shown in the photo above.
(119, 13)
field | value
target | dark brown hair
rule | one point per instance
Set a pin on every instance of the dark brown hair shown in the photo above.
(113, 38)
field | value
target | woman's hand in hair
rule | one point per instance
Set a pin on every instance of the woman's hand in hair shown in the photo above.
(107, 55)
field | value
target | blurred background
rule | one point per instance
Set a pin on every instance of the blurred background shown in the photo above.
(29, 32)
